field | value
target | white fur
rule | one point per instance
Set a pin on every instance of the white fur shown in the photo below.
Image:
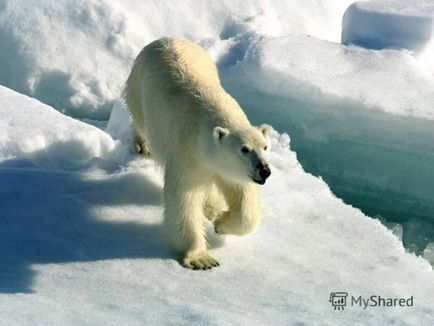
(195, 131)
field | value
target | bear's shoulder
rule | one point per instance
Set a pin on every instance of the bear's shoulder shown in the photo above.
(190, 61)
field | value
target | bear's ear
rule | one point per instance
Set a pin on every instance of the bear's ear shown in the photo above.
(219, 133)
(264, 129)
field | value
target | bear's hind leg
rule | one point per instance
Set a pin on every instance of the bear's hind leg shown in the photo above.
(140, 145)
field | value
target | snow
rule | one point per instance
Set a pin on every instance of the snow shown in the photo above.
(389, 23)
(54, 144)
(335, 73)
(383, 24)
(119, 124)
(84, 49)
(82, 245)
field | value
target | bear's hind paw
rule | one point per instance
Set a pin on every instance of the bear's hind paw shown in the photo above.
(142, 148)
(199, 260)
(140, 145)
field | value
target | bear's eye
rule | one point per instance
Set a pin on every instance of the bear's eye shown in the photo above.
(245, 149)
(265, 148)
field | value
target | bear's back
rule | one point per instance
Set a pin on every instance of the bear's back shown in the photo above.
(195, 64)
(180, 62)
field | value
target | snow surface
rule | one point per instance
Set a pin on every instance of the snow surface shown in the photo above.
(415, 8)
(81, 244)
(22, 135)
(84, 49)
(383, 24)
(323, 72)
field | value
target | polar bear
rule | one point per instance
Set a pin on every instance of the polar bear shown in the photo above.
(212, 157)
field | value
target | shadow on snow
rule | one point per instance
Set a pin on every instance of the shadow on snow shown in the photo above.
(49, 217)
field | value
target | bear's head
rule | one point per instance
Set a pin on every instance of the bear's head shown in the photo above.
(241, 155)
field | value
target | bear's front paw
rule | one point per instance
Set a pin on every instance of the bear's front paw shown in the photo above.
(199, 260)
(222, 224)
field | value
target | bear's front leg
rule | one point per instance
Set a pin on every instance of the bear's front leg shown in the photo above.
(215, 203)
(244, 210)
(183, 218)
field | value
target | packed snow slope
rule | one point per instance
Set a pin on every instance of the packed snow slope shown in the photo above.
(80, 240)
(75, 55)
(383, 24)
(85, 49)
(324, 72)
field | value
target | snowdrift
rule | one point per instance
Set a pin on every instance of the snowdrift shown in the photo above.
(383, 24)
(323, 72)
(85, 49)
(25, 133)
(75, 55)
(81, 244)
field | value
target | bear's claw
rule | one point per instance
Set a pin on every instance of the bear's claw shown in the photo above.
(200, 260)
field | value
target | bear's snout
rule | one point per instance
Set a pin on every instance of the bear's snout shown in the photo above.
(263, 172)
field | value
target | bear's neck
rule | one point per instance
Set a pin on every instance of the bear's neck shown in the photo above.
(226, 112)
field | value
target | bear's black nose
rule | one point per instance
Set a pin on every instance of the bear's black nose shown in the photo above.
(263, 171)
